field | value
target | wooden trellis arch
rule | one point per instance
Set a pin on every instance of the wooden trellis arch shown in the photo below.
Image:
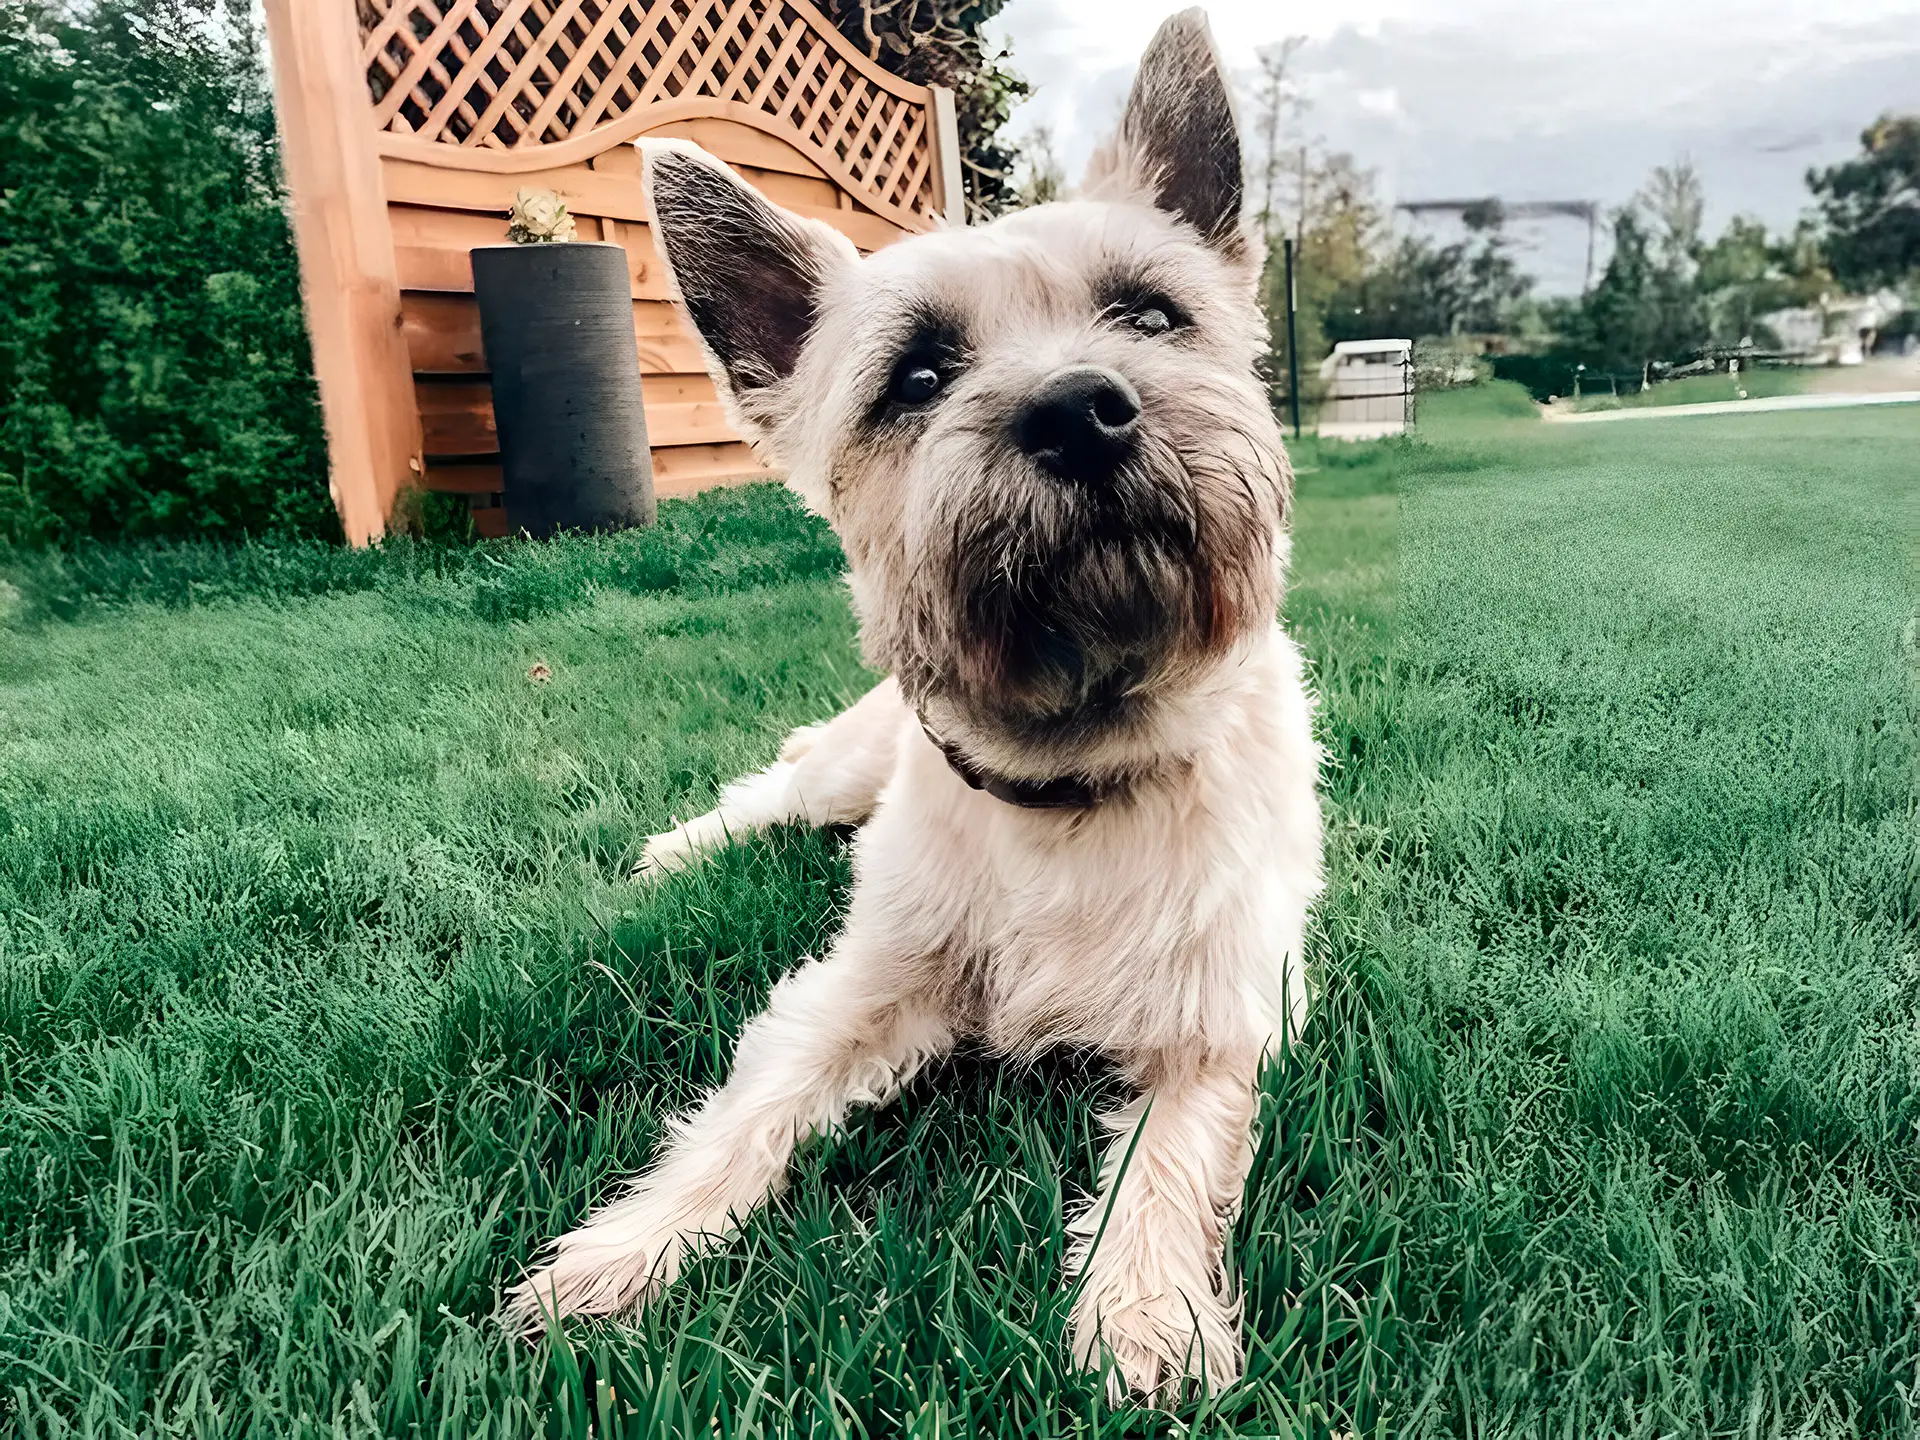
(407, 126)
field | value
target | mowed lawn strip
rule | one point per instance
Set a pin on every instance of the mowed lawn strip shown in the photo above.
(1651, 965)
(324, 999)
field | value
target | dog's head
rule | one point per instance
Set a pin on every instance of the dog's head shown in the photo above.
(1043, 442)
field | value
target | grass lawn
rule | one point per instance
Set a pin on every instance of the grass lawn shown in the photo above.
(1758, 384)
(323, 999)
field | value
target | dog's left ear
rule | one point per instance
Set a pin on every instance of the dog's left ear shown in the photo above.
(1178, 144)
(749, 273)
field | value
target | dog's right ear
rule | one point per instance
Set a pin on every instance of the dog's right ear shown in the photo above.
(1178, 145)
(749, 273)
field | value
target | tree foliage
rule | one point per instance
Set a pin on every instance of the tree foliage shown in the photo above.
(1674, 203)
(1354, 280)
(1645, 308)
(940, 42)
(154, 369)
(1420, 288)
(1748, 272)
(1871, 206)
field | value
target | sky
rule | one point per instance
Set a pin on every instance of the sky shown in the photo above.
(1461, 98)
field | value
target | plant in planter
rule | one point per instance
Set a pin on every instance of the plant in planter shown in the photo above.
(538, 217)
(556, 320)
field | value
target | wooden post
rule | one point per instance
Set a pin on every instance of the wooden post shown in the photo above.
(946, 157)
(347, 272)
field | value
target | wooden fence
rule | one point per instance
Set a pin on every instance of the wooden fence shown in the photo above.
(407, 126)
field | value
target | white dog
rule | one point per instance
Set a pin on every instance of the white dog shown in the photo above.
(1088, 785)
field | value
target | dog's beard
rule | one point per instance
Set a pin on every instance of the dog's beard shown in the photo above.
(1045, 606)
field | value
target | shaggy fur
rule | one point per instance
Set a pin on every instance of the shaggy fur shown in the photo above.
(1046, 620)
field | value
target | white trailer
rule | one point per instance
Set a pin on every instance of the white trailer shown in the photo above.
(1368, 390)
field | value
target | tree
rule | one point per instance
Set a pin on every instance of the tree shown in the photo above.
(1042, 177)
(1871, 206)
(1746, 273)
(1675, 204)
(1418, 289)
(1642, 310)
(1337, 228)
(1614, 326)
(940, 42)
(1493, 283)
(1276, 99)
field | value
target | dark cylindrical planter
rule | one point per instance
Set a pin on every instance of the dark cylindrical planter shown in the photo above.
(557, 323)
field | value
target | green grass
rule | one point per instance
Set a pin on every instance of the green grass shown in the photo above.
(323, 999)
(1703, 389)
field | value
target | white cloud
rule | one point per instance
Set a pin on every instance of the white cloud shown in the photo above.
(1465, 97)
(1385, 101)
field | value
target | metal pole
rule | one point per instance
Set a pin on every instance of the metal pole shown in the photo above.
(1293, 349)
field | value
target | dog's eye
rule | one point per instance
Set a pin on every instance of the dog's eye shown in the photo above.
(1147, 312)
(915, 383)
(1151, 321)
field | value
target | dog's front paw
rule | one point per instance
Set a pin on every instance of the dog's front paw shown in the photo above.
(592, 1273)
(1160, 1345)
(675, 849)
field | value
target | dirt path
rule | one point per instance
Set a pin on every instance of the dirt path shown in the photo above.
(1877, 377)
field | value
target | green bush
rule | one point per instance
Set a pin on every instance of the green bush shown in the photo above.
(155, 378)
(1493, 400)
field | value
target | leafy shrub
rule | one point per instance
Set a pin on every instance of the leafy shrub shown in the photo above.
(155, 377)
(1500, 398)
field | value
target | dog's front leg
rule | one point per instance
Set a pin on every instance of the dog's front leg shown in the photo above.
(1148, 1256)
(829, 774)
(838, 1032)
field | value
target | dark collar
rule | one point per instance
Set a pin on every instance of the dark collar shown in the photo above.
(1063, 792)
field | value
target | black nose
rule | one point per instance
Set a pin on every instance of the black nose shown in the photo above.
(1080, 423)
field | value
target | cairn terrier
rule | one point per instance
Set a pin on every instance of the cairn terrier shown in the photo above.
(1087, 788)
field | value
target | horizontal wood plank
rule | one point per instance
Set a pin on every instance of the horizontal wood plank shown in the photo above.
(589, 194)
(449, 267)
(686, 469)
(466, 478)
(443, 333)
(431, 249)
(676, 389)
(457, 420)
(739, 145)
(462, 392)
(694, 424)
(796, 192)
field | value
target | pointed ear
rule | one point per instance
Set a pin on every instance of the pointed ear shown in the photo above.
(749, 273)
(1178, 145)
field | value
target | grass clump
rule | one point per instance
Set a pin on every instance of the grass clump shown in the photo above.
(731, 539)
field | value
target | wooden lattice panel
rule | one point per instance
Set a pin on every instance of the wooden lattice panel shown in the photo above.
(407, 126)
(508, 84)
